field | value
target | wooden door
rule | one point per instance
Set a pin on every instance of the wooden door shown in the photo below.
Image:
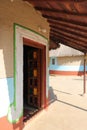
(34, 76)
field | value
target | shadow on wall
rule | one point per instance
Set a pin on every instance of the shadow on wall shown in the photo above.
(52, 97)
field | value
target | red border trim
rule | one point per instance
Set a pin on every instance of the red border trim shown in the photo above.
(67, 72)
(43, 68)
(32, 43)
(6, 125)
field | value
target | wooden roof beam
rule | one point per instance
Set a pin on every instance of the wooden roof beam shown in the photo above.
(78, 43)
(51, 10)
(68, 43)
(70, 30)
(68, 24)
(57, 0)
(82, 21)
(70, 35)
(70, 39)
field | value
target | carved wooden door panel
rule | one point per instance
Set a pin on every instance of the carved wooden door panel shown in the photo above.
(34, 86)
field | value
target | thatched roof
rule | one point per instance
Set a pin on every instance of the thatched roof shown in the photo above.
(64, 51)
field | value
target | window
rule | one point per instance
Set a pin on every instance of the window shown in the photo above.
(53, 61)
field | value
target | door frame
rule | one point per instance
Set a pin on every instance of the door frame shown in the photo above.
(15, 110)
(42, 47)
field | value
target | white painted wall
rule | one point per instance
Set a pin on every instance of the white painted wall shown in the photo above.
(15, 111)
(21, 13)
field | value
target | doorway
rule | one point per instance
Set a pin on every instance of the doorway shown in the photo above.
(32, 81)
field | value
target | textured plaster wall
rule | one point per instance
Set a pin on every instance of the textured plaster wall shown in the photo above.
(6, 51)
(71, 63)
(74, 60)
(21, 13)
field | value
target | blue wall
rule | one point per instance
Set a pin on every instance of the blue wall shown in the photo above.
(64, 67)
(6, 95)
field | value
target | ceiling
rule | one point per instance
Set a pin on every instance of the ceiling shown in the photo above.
(67, 20)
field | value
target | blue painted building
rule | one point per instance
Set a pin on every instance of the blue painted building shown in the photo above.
(66, 61)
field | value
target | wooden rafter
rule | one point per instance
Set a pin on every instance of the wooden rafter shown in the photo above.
(67, 20)
(51, 10)
(68, 25)
(69, 43)
(73, 36)
(69, 39)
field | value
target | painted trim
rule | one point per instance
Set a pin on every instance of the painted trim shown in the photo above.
(67, 68)
(45, 95)
(6, 94)
(42, 47)
(68, 73)
(14, 102)
(15, 24)
(5, 125)
(15, 68)
(14, 38)
(32, 43)
(10, 118)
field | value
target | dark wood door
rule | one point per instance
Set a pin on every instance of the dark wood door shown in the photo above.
(34, 75)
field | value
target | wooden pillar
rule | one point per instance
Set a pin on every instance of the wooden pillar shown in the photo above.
(84, 88)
